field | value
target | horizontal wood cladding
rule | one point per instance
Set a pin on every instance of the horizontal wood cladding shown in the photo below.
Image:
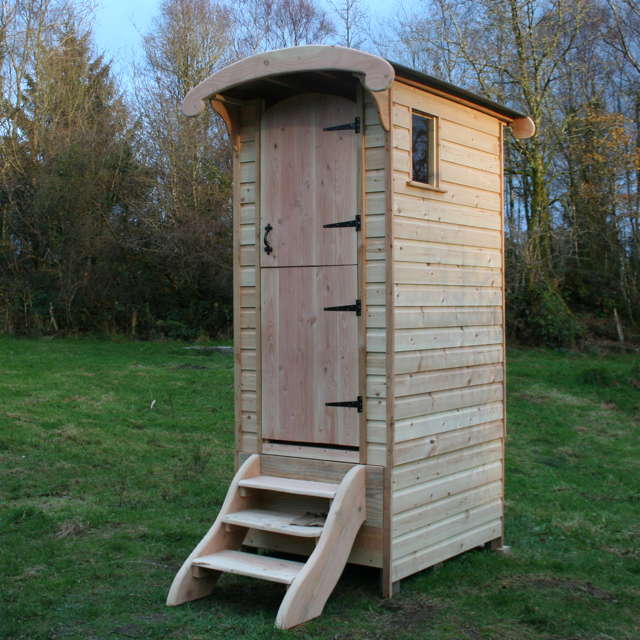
(433, 253)
(418, 428)
(469, 138)
(435, 210)
(375, 209)
(432, 317)
(430, 360)
(446, 483)
(248, 442)
(248, 422)
(405, 96)
(444, 233)
(446, 296)
(248, 318)
(427, 403)
(245, 282)
(488, 515)
(430, 469)
(468, 196)
(430, 555)
(420, 448)
(445, 495)
(440, 338)
(454, 525)
(425, 317)
(376, 454)
(433, 512)
(483, 166)
(423, 493)
(248, 359)
(427, 382)
(455, 174)
(375, 158)
(248, 276)
(374, 134)
(465, 155)
(248, 380)
(415, 383)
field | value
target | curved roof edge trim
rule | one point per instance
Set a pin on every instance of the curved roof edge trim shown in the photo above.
(376, 73)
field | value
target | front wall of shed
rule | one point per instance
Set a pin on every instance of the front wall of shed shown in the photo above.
(375, 204)
(246, 284)
(448, 381)
(368, 549)
(247, 248)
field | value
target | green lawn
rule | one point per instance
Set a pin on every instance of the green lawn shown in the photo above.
(115, 456)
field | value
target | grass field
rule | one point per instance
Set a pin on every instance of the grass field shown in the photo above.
(115, 456)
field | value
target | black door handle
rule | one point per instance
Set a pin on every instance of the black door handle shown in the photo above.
(267, 247)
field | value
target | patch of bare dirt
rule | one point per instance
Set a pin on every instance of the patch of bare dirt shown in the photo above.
(404, 615)
(551, 582)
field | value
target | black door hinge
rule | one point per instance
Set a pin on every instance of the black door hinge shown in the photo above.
(355, 125)
(347, 223)
(356, 308)
(354, 404)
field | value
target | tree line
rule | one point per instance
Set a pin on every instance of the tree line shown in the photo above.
(115, 210)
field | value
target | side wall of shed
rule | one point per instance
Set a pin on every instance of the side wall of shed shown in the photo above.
(447, 480)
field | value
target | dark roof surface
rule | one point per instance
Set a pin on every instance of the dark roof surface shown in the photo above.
(436, 83)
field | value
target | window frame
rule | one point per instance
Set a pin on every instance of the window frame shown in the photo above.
(433, 156)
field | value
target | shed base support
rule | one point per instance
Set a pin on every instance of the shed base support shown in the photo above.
(495, 545)
(388, 589)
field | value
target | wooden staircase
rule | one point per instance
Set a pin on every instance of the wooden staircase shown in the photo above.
(277, 504)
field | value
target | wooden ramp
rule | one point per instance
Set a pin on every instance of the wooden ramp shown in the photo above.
(309, 583)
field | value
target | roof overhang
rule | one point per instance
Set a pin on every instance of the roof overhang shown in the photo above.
(374, 73)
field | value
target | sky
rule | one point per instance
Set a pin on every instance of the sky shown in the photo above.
(118, 29)
(120, 24)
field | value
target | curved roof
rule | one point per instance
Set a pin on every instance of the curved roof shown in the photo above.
(375, 73)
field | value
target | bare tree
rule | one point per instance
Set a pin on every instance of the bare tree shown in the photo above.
(187, 219)
(271, 24)
(624, 36)
(422, 39)
(352, 22)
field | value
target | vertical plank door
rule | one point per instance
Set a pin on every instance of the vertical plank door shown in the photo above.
(309, 355)
(308, 180)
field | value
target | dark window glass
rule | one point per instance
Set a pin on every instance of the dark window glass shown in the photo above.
(420, 148)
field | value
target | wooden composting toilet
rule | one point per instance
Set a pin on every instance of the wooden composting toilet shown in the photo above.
(368, 322)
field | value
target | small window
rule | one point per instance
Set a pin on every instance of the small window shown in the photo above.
(423, 147)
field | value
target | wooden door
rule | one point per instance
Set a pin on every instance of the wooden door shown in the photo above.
(309, 354)
(308, 180)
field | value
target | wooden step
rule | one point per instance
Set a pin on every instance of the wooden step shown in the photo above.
(291, 485)
(251, 564)
(291, 524)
